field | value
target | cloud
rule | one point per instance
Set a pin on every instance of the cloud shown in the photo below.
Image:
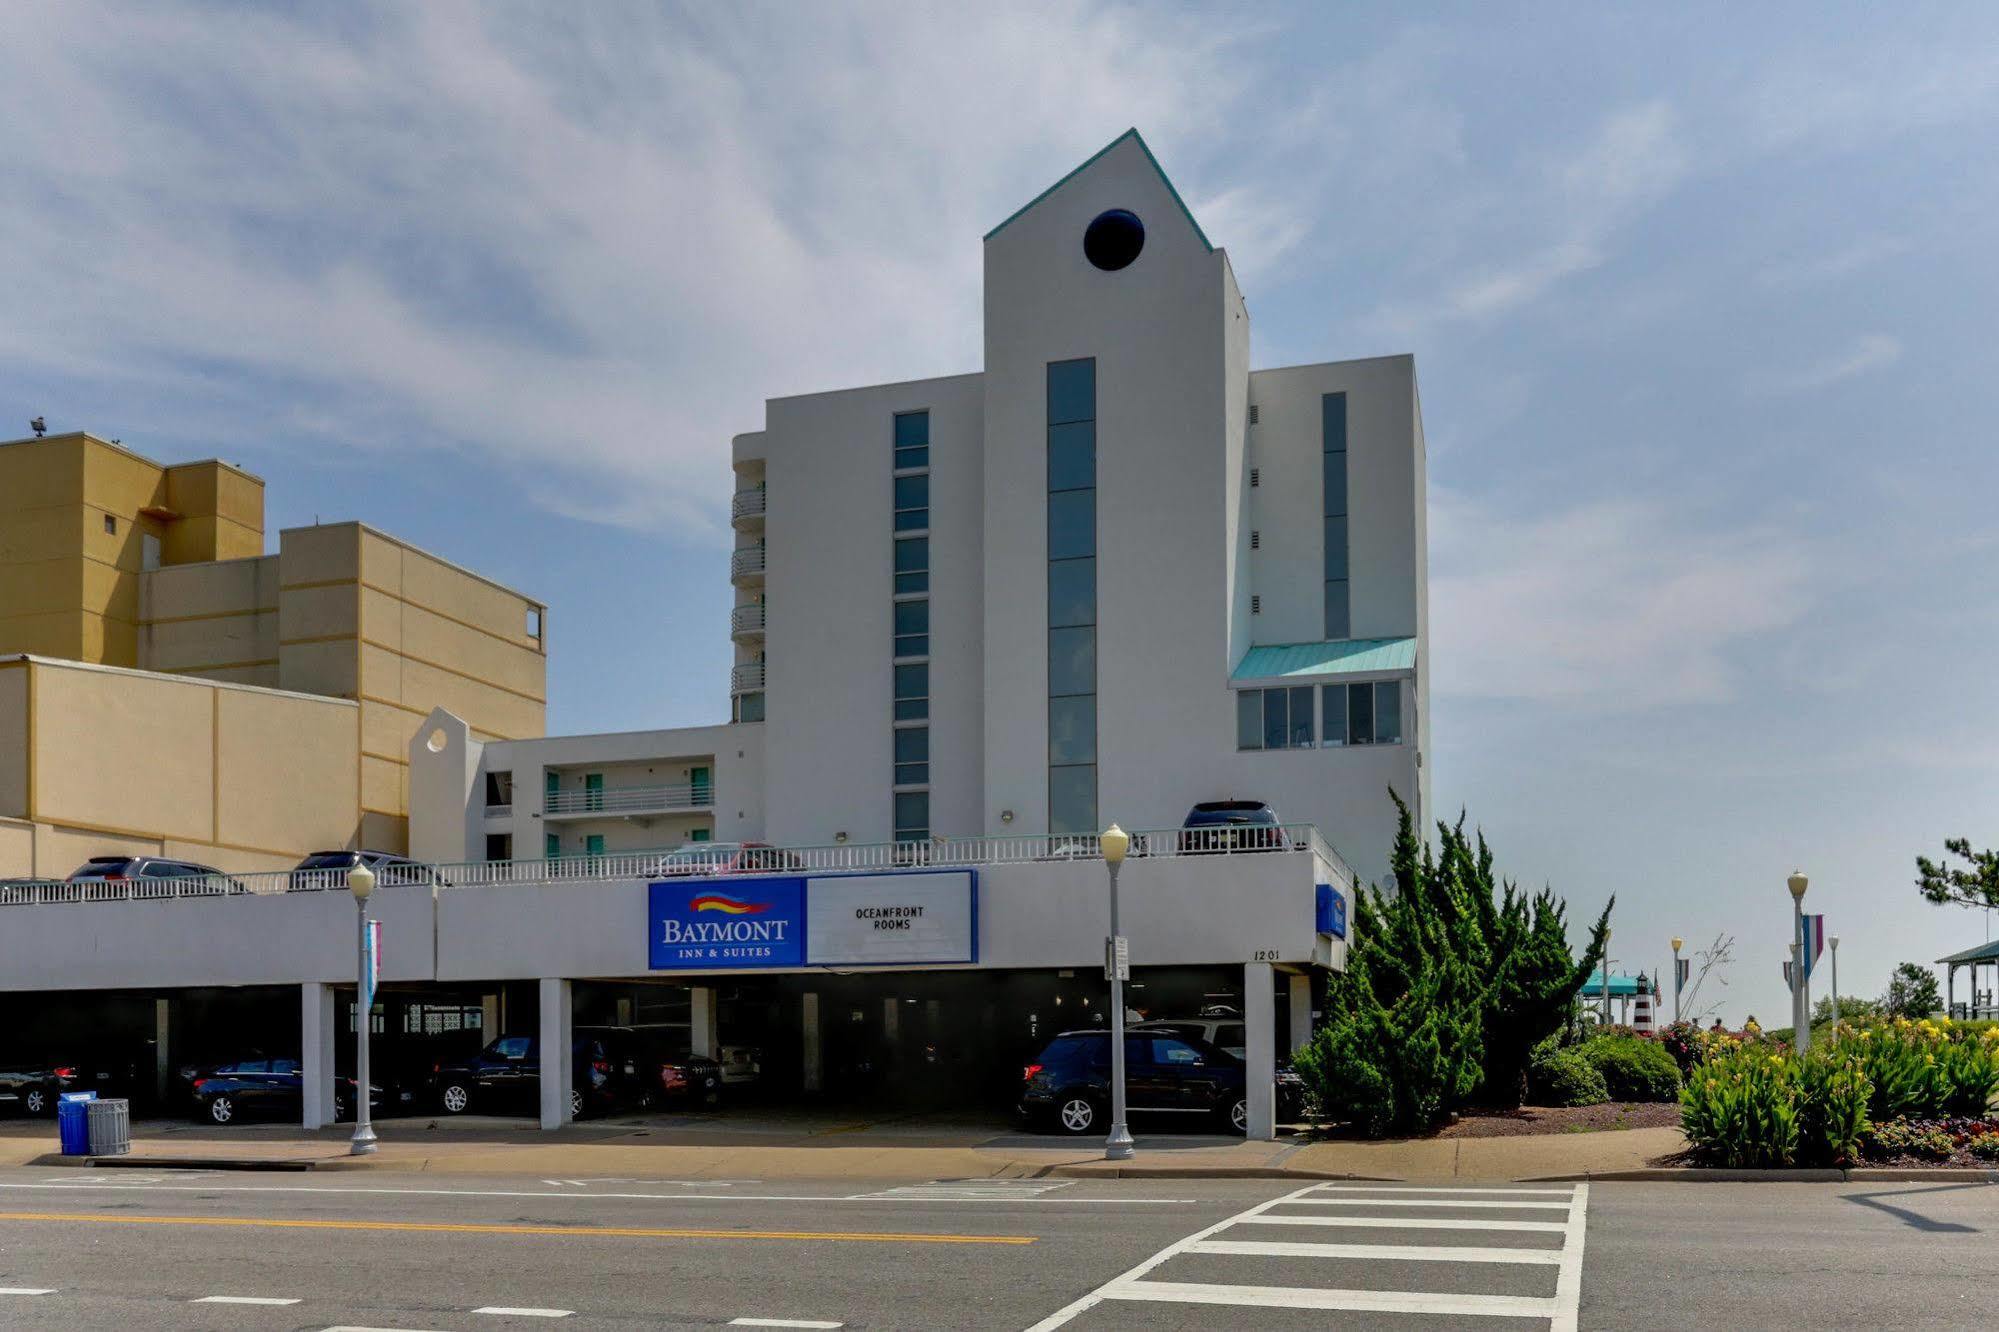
(1613, 605)
(1871, 351)
(1812, 269)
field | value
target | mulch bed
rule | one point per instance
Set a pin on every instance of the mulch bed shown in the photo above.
(1540, 1119)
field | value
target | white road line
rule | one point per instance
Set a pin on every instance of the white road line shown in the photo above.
(241, 1299)
(351, 1327)
(1313, 1297)
(1406, 1223)
(780, 1322)
(1569, 1280)
(27, 1290)
(1500, 1204)
(576, 1196)
(1412, 1253)
(508, 1311)
(1471, 1189)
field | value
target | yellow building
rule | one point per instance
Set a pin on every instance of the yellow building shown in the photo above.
(112, 560)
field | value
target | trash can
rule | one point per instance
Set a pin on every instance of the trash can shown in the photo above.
(110, 1126)
(72, 1122)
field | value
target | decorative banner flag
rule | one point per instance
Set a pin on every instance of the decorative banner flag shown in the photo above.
(371, 963)
(1686, 966)
(1787, 976)
(1814, 942)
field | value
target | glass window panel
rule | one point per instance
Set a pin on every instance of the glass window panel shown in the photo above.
(1334, 466)
(912, 457)
(1334, 699)
(912, 492)
(1333, 421)
(1249, 719)
(1072, 391)
(912, 429)
(1072, 799)
(912, 554)
(1072, 524)
(1276, 718)
(1072, 456)
(912, 645)
(912, 681)
(1360, 714)
(1072, 661)
(912, 582)
(1072, 729)
(912, 520)
(912, 709)
(1387, 713)
(912, 744)
(912, 774)
(1339, 622)
(1072, 592)
(1336, 547)
(1301, 718)
(912, 814)
(912, 617)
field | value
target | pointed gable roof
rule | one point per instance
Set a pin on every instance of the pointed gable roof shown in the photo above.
(1164, 179)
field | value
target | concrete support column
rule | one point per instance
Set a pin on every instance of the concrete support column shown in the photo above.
(318, 1031)
(891, 1021)
(556, 1060)
(1259, 1019)
(1301, 1009)
(812, 1073)
(489, 1018)
(163, 1062)
(701, 1021)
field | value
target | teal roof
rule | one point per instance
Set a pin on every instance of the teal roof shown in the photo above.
(1345, 656)
(1167, 180)
(1983, 953)
(1621, 987)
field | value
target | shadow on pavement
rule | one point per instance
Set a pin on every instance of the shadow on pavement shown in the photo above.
(1914, 1218)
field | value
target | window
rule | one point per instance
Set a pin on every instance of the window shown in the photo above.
(912, 692)
(750, 708)
(912, 564)
(700, 835)
(1333, 433)
(1165, 1050)
(499, 846)
(912, 628)
(912, 816)
(912, 756)
(1072, 596)
(1274, 718)
(110, 525)
(512, 1047)
(534, 622)
(1363, 714)
(912, 502)
(499, 788)
(912, 440)
(1387, 713)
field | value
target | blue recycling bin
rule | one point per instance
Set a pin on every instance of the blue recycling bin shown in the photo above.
(73, 1122)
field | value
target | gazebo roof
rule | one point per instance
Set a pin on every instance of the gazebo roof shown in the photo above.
(1987, 952)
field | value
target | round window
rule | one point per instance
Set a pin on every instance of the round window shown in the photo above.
(1113, 239)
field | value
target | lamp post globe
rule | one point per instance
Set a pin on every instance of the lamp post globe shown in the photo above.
(361, 883)
(1797, 884)
(1678, 943)
(1114, 842)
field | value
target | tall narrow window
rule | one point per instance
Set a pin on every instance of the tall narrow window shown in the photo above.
(1072, 596)
(909, 486)
(1339, 601)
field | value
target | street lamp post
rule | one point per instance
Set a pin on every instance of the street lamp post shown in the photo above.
(361, 882)
(1118, 1146)
(1678, 943)
(1801, 1013)
(1835, 986)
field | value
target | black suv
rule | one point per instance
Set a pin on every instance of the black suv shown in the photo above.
(328, 869)
(1231, 825)
(121, 869)
(506, 1076)
(1068, 1086)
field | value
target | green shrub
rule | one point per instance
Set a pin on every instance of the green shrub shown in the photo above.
(1634, 1068)
(1833, 1091)
(1739, 1109)
(1564, 1077)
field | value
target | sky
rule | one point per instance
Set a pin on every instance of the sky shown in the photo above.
(1701, 299)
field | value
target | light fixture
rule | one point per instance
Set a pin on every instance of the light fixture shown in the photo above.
(840, 838)
(1797, 882)
(1006, 816)
(1678, 943)
(360, 881)
(1115, 841)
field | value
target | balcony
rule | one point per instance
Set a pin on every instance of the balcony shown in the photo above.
(746, 623)
(746, 510)
(746, 566)
(625, 801)
(747, 678)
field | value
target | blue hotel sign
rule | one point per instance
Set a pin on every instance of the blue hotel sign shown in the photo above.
(700, 923)
(1331, 911)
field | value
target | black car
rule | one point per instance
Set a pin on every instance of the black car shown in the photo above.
(668, 1071)
(328, 869)
(1068, 1086)
(506, 1075)
(32, 1088)
(1231, 825)
(141, 869)
(265, 1089)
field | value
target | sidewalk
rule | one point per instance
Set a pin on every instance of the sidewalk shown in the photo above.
(830, 1147)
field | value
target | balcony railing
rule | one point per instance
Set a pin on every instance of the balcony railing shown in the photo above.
(747, 678)
(747, 565)
(937, 852)
(630, 799)
(747, 621)
(746, 507)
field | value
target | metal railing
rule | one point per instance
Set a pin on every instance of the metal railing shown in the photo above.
(505, 811)
(747, 678)
(703, 860)
(747, 621)
(630, 799)
(747, 504)
(747, 562)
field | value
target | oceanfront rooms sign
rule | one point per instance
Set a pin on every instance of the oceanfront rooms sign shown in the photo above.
(917, 917)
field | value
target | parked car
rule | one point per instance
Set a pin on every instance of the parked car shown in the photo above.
(266, 1089)
(505, 1077)
(328, 869)
(32, 1087)
(117, 869)
(1231, 825)
(742, 1065)
(700, 858)
(1224, 1029)
(1068, 1086)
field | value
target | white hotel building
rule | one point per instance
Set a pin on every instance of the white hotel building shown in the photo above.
(1114, 574)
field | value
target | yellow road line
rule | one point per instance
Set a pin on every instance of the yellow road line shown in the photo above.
(469, 1228)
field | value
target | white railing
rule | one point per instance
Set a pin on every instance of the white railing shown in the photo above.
(747, 678)
(747, 562)
(500, 811)
(747, 621)
(698, 860)
(630, 799)
(747, 504)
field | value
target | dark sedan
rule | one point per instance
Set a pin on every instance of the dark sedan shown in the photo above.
(32, 1088)
(265, 1089)
(1167, 1077)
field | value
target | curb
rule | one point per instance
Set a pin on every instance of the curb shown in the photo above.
(179, 1162)
(1826, 1175)
(1094, 1171)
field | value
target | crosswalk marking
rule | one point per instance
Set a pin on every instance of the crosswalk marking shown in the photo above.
(242, 1299)
(970, 1191)
(27, 1290)
(1470, 1190)
(1301, 1207)
(510, 1311)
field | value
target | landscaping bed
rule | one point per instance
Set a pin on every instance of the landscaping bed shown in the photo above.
(1539, 1119)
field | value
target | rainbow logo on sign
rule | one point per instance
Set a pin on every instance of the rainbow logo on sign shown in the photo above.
(734, 906)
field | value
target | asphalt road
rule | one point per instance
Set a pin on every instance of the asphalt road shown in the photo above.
(132, 1250)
